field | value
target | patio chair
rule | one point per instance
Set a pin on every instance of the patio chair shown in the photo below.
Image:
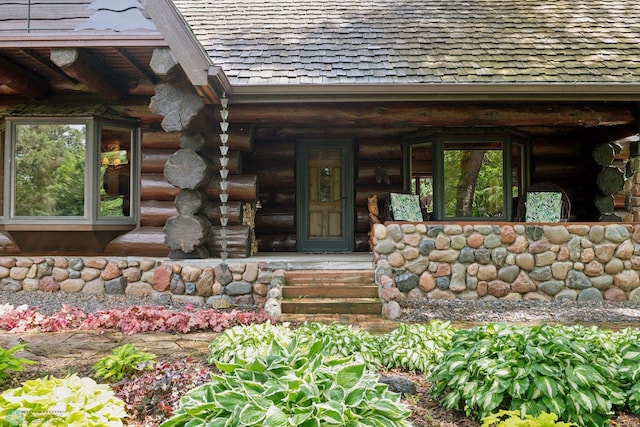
(544, 202)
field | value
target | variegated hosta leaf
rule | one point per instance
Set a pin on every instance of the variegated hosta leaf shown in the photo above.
(572, 371)
(416, 347)
(295, 383)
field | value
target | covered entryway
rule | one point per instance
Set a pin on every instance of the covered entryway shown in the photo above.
(324, 196)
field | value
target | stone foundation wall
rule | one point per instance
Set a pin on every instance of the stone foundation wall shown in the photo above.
(242, 285)
(515, 261)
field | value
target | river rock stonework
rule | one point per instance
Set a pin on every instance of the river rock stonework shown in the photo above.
(241, 285)
(578, 262)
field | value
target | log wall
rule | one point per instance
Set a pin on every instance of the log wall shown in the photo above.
(273, 162)
(562, 156)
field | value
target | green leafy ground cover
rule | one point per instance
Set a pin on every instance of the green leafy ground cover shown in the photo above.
(317, 374)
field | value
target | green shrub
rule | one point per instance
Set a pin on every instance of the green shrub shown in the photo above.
(9, 361)
(532, 370)
(292, 386)
(124, 360)
(68, 402)
(417, 347)
(513, 419)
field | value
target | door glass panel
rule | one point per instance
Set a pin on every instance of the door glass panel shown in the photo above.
(50, 170)
(473, 180)
(115, 172)
(325, 193)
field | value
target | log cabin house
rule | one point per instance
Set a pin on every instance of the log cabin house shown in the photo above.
(244, 127)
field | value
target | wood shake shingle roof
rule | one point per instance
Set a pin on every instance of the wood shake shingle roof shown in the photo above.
(289, 42)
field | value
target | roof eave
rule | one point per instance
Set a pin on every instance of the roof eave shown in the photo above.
(209, 81)
(629, 92)
(21, 40)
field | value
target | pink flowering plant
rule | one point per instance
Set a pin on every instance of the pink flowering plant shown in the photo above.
(130, 320)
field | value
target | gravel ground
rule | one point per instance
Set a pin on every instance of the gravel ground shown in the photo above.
(50, 302)
(524, 311)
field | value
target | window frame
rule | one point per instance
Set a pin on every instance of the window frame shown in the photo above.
(91, 218)
(440, 138)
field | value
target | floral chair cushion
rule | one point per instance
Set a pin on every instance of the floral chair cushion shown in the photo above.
(543, 206)
(405, 207)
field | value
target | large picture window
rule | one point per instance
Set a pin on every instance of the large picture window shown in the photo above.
(69, 171)
(49, 170)
(460, 176)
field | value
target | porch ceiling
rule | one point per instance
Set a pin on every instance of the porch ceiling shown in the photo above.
(111, 72)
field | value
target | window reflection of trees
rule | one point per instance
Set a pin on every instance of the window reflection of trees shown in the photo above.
(50, 170)
(460, 176)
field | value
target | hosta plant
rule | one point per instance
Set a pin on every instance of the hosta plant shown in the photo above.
(292, 386)
(248, 342)
(245, 343)
(9, 361)
(343, 340)
(417, 347)
(513, 419)
(530, 370)
(629, 371)
(66, 402)
(123, 360)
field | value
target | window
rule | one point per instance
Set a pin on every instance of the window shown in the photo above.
(69, 171)
(467, 176)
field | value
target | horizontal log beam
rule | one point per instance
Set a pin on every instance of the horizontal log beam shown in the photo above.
(272, 150)
(161, 140)
(288, 242)
(145, 241)
(238, 241)
(212, 211)
(387, 148)
(22, 80)
(274, 174)
(155, 213)
(276, 242)
(406, 114)
(240, 187)
(281, 219)
(154, 187)
(153, 160)
(79, 65)
(280, 197)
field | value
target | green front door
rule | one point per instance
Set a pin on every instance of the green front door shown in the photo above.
(324, 196)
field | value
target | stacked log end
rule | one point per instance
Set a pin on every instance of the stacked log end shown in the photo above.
(194, 232)
(187, 233)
